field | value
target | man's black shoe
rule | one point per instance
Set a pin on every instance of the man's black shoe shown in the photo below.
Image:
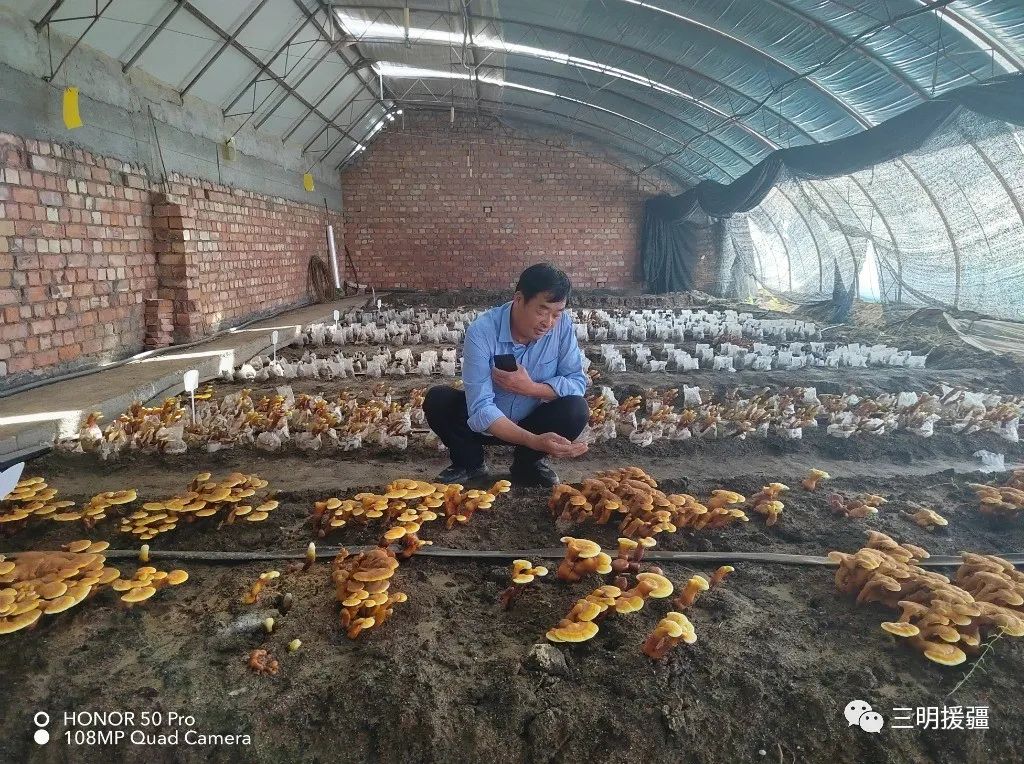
(537, 474)
(456, 474)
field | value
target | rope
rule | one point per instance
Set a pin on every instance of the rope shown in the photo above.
(936, 561)
(319, 278)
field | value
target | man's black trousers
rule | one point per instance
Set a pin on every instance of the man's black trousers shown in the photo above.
(447, 415)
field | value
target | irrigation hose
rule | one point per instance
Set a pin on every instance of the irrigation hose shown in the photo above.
(935, 561)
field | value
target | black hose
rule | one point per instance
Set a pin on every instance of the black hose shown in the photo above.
(325, 552)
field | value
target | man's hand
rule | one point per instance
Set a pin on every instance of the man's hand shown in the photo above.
(553, 444)
(517, 381)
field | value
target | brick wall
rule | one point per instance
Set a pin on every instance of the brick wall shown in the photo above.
(75, 256)
(433, 205)
(81, 250)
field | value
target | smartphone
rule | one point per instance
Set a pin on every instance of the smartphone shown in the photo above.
(505, 362)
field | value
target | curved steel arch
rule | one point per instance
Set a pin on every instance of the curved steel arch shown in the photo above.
(830, 94)
(689, 177)
(530, 115)
(645, 104)
(598, 40)
(631, 120)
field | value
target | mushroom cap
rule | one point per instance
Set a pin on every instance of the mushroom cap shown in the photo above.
(697, 582)
(576, 631)
(393, 534)
(946, 655)
(139, 594)
(604, 563)
(60, 604)
(625, 543)
(10, 624)
(900, 629)
(587, 610)
(632, 604)
(670, 628)
(583, 548)
(522, 578)
(819, 474)
(660, 586)
(176, 577)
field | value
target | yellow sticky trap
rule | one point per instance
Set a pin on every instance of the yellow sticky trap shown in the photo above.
(307, 181)
(72, 116)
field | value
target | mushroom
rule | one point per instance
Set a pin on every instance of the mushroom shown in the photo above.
(257, 587)
(262, 662)
(719, 575)
(310, 556)
(294, 645)
(671, 630)
(582, 557)
(814, 477)
(523, 573)
(927, 518)
(694, 586)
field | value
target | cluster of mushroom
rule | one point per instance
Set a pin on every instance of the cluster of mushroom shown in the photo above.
(646, 511)
(1005, 501)
(925, 517)
(203, 498)
(145, 583)
(307, 422)
(33, 584)
(523, 574)
(30, 498)
(581, 622)
(858, 506)
(766, 502)
(361, 584)
(942, 619)
(674, 628)
(407, 504)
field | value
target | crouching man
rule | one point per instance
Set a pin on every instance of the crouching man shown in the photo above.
(524, 384)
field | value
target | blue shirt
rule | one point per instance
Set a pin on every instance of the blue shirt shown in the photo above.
(554, 359)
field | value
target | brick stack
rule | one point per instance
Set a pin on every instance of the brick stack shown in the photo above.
(159, 323)
(440, 206)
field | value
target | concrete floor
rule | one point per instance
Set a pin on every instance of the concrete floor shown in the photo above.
(30, 420)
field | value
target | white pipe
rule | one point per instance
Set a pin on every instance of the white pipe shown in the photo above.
(334, 256)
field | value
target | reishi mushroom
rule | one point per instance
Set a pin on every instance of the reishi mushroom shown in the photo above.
(524, 572)
(814, 477)
(671, 630)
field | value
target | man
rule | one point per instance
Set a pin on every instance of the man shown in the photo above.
(539, 407)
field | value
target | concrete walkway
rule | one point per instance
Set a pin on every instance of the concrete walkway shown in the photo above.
(29, 420)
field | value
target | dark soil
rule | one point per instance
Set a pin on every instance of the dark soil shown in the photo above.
(451, 678)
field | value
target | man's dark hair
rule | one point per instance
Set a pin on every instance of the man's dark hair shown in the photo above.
(544, 277)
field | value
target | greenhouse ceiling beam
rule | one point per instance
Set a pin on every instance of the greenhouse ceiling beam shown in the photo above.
(340, 34)
(334, 146)
(627, 50)
(337, 115)
(643, 103)
(224, 46)
(264, 68)
(149, 40)
(760, 53)
(846, 40)
(48, 15)
(596, 142)
(638, 123)
(981, 37)
(284, 96)
(558, 116)
(302, 120)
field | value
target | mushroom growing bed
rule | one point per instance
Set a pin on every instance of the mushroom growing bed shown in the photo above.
(452, 677)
